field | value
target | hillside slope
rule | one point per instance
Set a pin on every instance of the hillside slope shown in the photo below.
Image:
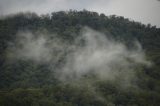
(25, 82)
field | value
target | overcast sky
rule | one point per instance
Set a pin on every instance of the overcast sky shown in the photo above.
(145, 11)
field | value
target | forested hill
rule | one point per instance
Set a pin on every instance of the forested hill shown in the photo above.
(28, 83)
(67, 23)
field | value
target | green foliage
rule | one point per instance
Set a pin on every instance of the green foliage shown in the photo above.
(25, 83)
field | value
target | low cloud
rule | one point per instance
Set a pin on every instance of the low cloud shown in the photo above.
(38, 47)
(93, 54)
(103, 57)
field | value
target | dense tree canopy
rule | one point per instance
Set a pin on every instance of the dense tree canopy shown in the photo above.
(25, 83)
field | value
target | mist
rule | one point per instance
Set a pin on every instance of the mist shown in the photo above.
(92, 55)
(38, 47)
(104, 58)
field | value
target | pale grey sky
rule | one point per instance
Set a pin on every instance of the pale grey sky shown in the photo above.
(145, 11)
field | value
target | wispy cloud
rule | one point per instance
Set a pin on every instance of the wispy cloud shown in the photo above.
(97, 55)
